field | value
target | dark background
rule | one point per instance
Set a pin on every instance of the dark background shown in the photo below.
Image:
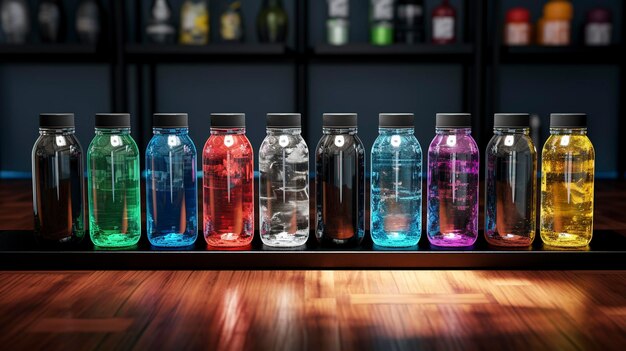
(481, 77)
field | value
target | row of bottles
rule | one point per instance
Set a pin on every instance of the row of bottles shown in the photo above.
(51, 20)
(554, 28)
(452, 186)
(394, 21)
(272, 22)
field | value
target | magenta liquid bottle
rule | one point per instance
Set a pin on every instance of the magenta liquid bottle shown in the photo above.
(453, 165)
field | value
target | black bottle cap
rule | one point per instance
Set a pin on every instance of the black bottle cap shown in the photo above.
(453, 120)
(396, 120)
(56, 120)
(511, 120)
(112, 120)
(568, 120)
(228, 120)
(170, 120)
(339, 120)
(284, 120)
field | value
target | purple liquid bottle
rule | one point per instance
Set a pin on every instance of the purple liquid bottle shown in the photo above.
(453, 165)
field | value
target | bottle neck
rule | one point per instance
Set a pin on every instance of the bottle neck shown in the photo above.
(218, 131)
(567, 131)
(159, 131)
(56, 131)
(284, 131)
(396, 131)
(507, 130)
(455, 131)
(105, 131)
(350, 131)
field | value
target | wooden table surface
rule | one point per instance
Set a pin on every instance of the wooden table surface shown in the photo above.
(316, 310)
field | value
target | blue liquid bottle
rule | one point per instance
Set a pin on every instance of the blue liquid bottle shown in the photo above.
(396, 185)
(171, 186)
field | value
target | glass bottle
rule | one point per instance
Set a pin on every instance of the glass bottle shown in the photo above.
(171, 185)
(340, 182)
(231, 22)
(338, 23)
(444, 24)
(15, 21)
(453, 162)
(284, 182)
(113, 178)
(381, 22)
(228, 183)
(409, 21)
(396, 185)
(511, 182)
(51, 18)
(58, 183)
(272, 22)
(194, 22)
(160, 28)
(568, 161)
(89, 21)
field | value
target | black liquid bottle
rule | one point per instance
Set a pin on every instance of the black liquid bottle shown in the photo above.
(340, 182)
(409, 21)
(51, 19)
(58, 182)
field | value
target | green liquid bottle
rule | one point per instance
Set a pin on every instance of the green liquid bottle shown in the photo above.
(113, 183)
(381, 22)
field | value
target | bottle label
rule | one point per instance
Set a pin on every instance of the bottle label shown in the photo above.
(338, 8)
(382, 10)
(410, 11)
(556, 33)
(231, 26)
(14, 18)
(598, 34)
(517, 34)
(443, 27)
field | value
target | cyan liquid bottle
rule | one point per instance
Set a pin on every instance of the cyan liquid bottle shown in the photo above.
(511, 182)
(58, 181)
(113, 183)
(171, 185)
(453, 162)
(396, 183)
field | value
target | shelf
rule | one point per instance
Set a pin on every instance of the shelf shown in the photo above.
(45, 53)
(18, 251)
(416, 52)
(561, 54)
(155, 53)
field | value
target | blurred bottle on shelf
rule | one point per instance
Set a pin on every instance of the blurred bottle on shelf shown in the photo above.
(52, 23)
(160, 28)
(535, 128)
(272, 22)
(381, 22)
(517, 30)
(599, 27)
(89, 21)
(337, 24)
(409, 24)
(231, 22)
(194, 22)
(15, 16)
(554, 28)
(444, 24)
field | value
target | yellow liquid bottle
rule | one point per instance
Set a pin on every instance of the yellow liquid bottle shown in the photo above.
(567, 167)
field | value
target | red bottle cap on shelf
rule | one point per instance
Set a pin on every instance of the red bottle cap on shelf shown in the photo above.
(518, 14)
(599, 15)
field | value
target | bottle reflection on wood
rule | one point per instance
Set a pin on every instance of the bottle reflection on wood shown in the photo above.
(340, 182)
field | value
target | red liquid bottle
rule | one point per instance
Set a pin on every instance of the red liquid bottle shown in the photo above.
(444, 24)
(228, 183)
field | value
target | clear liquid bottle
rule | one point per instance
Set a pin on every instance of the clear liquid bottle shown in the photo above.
(453, 161)
(396, 184)
(228, 183)
(58, 183)
(340, 182)
(568, 163)
(171, 185)
(511, 182)
(113, 183)
(284, 182)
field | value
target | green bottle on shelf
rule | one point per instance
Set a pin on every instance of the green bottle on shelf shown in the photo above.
(381, 22)
(113, 178)
(272, 22)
